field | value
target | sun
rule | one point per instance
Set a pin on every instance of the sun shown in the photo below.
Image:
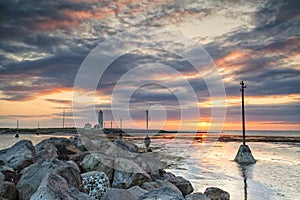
(203, 124)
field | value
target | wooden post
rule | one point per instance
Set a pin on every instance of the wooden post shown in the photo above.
(243, 86)
(17, 134)
(147, 140)
(147, 118)
(64, 118)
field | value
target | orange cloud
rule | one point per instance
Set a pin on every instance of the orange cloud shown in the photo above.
(75, 17)
(50, 24)
(231, 58)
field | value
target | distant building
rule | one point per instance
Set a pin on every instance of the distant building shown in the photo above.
(100, 119)
(87, 125)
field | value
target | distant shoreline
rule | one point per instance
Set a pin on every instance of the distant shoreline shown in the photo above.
(111, 133)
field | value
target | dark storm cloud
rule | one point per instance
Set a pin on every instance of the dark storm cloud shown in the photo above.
(269, 66)
(285, 113)
(154, 94)
(40, 76)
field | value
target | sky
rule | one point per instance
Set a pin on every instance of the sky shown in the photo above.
(45, 45)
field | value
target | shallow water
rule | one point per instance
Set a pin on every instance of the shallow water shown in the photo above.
(7, 140)
(276, 174)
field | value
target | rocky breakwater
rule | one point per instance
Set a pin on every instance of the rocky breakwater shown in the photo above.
(60, 168)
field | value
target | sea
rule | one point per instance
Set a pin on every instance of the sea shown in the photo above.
(205, 163)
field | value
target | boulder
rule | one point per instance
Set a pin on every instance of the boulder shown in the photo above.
(148, 163)
(11, 176)
(128, 173)
(19, 156)
(137, 191)
(78, 143)
(34, 174)
(95, 183)
(158, 184)
(182, 184)
(126, 145)
(197, 196)
(98, 162)
(216, 194)
(63, 145)
(78, 157)
(156, 175)
(2, 177)
(167, 176)
(244, 155)
(118, 194)
(45, 150)
(117, 152)
(71, 174)
(5, 168)
(74, 165)
(164, 193)
(8, 190)
(54, 186)
(98, 144)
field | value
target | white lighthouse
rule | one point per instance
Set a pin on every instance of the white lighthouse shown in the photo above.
(100, 119)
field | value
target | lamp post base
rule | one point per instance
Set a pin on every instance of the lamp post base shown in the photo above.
(244, 155)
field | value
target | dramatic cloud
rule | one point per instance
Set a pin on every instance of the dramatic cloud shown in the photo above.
(43, 44)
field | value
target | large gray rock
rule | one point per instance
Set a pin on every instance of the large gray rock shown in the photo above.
(166, 176)
(128, 173)
(19, 156)
(5, 168)
(97, 144)
(126, 145)
(78, 143)
(78, 157)
(34, 174)
(216, 194)
(244, 155)
(55, 187)
(137, 191)
(45, 150)
(74, 165)
(148, 163)
(182, 184)
(63, 145)
(8, 190)
(117, 152)
(95, 183)
(118, 194)
(98, 162)
(159, 184)
(197, 196)
(164, 193)
(2, 177)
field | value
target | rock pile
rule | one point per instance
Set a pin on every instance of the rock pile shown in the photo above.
(60, 168)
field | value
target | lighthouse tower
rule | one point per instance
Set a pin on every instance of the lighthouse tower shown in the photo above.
(100, 119)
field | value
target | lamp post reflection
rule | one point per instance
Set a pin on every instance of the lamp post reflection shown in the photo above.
(245, 172)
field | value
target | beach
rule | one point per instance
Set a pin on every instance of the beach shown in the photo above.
(274, 176)
(208, 163)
